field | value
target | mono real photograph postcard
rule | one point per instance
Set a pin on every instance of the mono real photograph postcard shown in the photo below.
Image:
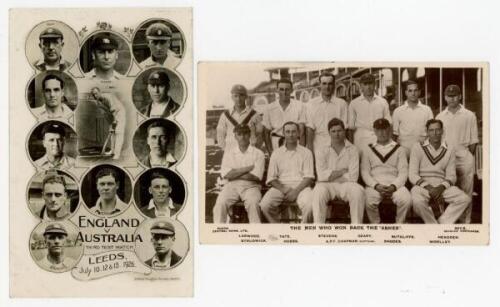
(101, 200)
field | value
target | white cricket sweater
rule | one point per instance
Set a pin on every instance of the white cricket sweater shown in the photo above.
(430, 166)
(391, 168)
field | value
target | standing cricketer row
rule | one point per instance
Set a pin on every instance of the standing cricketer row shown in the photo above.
(357, 128)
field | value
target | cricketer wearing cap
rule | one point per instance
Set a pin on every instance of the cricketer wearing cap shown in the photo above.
(115, 115)
(107, 185)
(290, 175)
(163, 238)
(241, 114)
(433, 174)
(281, 111)
(243, 167)
(161, 104)
(51, 44)
(409, 119)
(159, 38)
(55, 236)
(321, 110)
(337, 167)
(53, 135)
(364, 110)
(160, 204)
(461, 132)
(53, 95)
(157, 140)
(384, 168)
(104, 52)
(54, 195)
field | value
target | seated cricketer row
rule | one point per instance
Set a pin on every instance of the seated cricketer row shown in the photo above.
(409, 121)
(384, 168)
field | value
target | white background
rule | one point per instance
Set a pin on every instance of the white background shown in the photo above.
(366, 30)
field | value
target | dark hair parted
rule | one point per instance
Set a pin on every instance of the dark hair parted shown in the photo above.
(411, 82)
(52, 77)
(290, 123)
(433, 121)
(106, 171)
(158, 175)
(335, 122)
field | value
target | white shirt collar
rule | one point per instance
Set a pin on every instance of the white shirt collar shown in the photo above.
(388, 145)
(375, 97)
(460, 109)
(236, 149)
(116, 75)
(155, 262)
(170, 205)
(120, 206)
(419, 104)
(42, 61)
(169, 158)
(347, 145)
(285, 149)
(246, 110)
(427, 144)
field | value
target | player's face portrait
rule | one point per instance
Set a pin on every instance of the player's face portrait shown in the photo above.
(55, 242)
(107, 187)
(160, 190)
(327, 85)
(337, 134)
(159, 47)
(453, 101)
(284, 91)
(157, 92)
(383, 135)
(435, 132)
(51, 49)
(53, 93)
(157, 141)
(412, 92)
(291, 133)
(368, 89)
(105, 59)
(54, 196)
(239, 99)
(53, 144)
(243, 138)
(162, 243)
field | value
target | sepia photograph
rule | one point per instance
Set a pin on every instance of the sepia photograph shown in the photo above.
(53, 195)
(52, 45)
(105, 121)
(106, 190)
(54, 246)
(158, 92)
(105, 56)
(52, 145)
(158, 43)
(159, 192)
(90, 91)
(159, 142)
(52, 95)
(165, 245)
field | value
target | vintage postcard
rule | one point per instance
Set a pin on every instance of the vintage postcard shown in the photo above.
(101, 200)
(344, 153)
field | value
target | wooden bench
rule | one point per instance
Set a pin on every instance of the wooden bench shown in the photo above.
(338, 213)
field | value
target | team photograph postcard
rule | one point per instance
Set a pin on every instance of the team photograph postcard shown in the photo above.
(344, 153)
